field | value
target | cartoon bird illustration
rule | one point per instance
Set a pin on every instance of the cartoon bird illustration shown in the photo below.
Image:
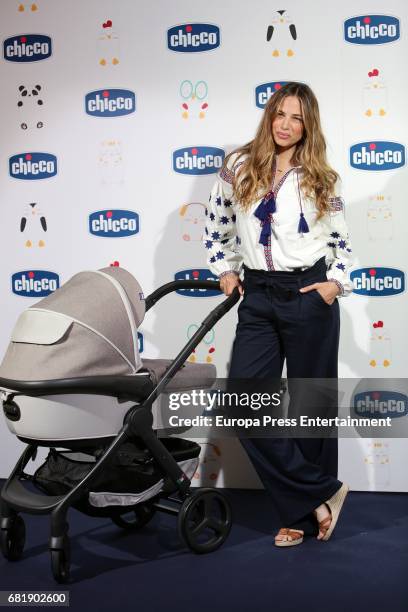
(192, 221)
(33, 225)
(283, 32)
(110, 162)
(194, 97)
(108, 45)
(32, 6)
(210, 464)
(375, 95)
(377, 463)
(30, 99)
(379, 218)
(380, 345)
(205, 350)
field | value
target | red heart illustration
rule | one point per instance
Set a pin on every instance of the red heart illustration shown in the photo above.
(115, 264)
(107, 24)
(380, 324)
(375, 72)
(370, 74)
(212, 349)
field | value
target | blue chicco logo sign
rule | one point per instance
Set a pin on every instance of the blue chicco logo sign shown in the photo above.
(196, 274)
(114, 223)
(32, 166)
(371, 29)
(110, 102)
(265, 91)
(380, 403)
(27, 48)
(198, 160)
(193, 37)
(377, 155)
(378, 282)
(34, 283)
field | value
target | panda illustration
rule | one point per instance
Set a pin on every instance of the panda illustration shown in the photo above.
(379, 218)
(33, 225)
(375, 95)
(284, 34)
(194, 97)
(29, 99)
(192, 221)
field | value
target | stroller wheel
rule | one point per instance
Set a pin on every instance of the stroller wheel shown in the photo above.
(136, 518)
(61, 562)
(12, 539)
(204, 520)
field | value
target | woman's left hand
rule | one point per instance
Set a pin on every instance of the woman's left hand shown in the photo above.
(328, 290)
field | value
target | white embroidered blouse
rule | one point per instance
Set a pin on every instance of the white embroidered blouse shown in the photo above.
(232, 234)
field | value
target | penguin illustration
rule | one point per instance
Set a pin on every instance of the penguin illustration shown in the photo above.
(108, 45)
(30, 99)
(379, 218)
(375, 95)
(192, 221)
(194, 97)
(284, 34)
(380, 346)
(34, 225)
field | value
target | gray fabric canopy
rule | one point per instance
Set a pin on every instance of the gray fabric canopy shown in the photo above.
(88, 327)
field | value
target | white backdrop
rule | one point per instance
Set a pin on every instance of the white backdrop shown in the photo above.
(124, 162)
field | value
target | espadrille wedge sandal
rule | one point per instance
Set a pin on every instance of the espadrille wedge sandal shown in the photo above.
(293, 537)
(335, 504)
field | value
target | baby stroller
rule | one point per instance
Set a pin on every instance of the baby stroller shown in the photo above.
(72, 379)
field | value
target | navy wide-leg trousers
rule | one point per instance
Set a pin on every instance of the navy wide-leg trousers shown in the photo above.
(277, 322)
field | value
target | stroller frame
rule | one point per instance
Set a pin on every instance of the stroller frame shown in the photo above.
(189, 506)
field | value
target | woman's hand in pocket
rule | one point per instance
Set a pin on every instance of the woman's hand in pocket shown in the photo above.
(229, 281)
(328, 290)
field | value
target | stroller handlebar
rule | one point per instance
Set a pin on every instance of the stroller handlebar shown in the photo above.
(184, 284)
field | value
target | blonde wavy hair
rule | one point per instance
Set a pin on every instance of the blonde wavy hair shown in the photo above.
(253, 177)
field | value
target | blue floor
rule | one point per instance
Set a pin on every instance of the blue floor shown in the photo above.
(363, 566)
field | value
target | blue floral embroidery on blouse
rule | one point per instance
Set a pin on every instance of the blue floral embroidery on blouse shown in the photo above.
(224, 220)
(220, 255)
(340, 266)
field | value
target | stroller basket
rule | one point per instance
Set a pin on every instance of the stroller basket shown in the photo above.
(131, 477)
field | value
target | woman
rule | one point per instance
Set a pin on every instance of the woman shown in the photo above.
(276, 212)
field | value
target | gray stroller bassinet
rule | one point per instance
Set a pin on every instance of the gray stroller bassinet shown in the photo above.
(72, 379)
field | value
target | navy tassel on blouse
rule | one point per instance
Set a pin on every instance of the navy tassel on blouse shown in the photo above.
(303, 227)
(264, 212)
